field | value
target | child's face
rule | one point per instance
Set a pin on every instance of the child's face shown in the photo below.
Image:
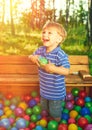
(50, 37)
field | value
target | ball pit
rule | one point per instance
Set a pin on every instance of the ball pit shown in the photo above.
(25, 113)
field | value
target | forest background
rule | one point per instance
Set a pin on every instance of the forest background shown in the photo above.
(21, 23)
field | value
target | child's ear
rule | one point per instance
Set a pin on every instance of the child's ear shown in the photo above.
(60, 39)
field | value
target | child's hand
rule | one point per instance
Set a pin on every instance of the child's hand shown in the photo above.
(49, 68)
(35, 59)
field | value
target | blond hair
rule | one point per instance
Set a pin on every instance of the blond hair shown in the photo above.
(59, 28)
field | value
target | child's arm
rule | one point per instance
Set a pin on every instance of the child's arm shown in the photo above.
(34, 59)
(51, 68)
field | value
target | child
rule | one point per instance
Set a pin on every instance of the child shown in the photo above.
(52, 74)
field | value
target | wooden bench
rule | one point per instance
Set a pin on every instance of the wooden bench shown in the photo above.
(19, 76)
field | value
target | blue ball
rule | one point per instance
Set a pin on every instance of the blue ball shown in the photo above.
(5, 123)
(65, 116)
(21, 123)
(32, 103)
(39, 127)
(88, 99)
(85, 111)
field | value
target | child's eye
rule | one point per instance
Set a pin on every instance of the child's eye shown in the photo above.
(43, 32)
(49, 33)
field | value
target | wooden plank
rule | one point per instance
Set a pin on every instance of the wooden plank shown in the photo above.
(78, 59)
(77, 68)
(18, 69)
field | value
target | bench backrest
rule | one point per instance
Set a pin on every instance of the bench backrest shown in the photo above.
(22, 65)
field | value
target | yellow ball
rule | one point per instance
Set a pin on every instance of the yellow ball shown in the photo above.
(23, 105)
(6, 108)
(72, 127)
(43, 122)
(3, 116)
(73, 114)
(8, 113)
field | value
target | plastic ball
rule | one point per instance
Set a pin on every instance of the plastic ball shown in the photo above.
(88, 104)
(65, 116)
(75, 91)
(1, 106)
(37, 99)
(23, 105)
(34, 94)
(34, 118)
(19, 111)
(77, 108)
(73, 114)
(32, 103)
(63, 121)
(1, 112)
(69, 96)
(27, 98)
(32, 125)
(82, 122)
(43, 122)
(65, 111)
(72, 127)
(82, 94)
(69, 105)
(43, 60)
(5, 123)
(63, 127)
(88, 99)
(29, 111)
(88, 127)
(9, 96)
(71, 121)
(80, 102)
(52, 125)
(2, 128)
(85, 111)
(37, 109)
(12, 106)
(39, 127)
(89, 118)
(44, 113)
(21, 123)
(8, 112)
(7, 102)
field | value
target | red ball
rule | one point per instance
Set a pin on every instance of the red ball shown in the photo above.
(2, 128)
(27, 97)
(80, 102)
(82, 122)
(63, 127)
(32, 125)
(82, 94)
(71, 120)
(9, 96)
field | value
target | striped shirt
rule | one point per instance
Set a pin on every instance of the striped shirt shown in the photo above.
(52, 86)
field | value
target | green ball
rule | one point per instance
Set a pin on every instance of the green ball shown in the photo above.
(34, 118)
(43, 60)
(34, 94)
(65, 111)
(63, 103)
(29, 111)
(79, 128)
(77, 108)
(89, 118)
(52, 125)
(88, 104)
(63, 121)
(75, 91)
(37, 109)
(90, 109)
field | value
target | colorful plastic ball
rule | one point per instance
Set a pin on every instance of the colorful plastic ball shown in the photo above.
(27, 98)
(34, 118)
(72, 127)
(37, 109)
(32, 103)
(78, 116)
(5, 123)
(14, 128)
(77, 108)
(9, 96)
(21, 123)
(73, 114)
(8, 112)
(12, 120)
(79, 128)
(65, 111)
(29, 111)
(23, 105)
(39, 127)
(80, 102)
(37, 99)
(88, 104)
(82, 122)
(7, 102)
(89, 118)
(1, 112)
(88, 127)
(1, 106)
(52, 125)
(85, 111)
(75, 91)
(63, 104)
(63, 121)
(63, 127)
(2, 128)
(32, 125)
(69, 105)
(82, 94)
(71, 121)
(65, 116)
(34, 94)
(44, 113)
(88, 99)
(12, 106)
(43, 122)
(19, 111)
(69, 96)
